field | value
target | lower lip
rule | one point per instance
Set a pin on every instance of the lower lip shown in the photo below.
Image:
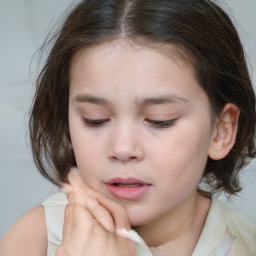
(127, 193)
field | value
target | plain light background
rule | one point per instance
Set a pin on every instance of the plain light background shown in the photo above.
(23, 27)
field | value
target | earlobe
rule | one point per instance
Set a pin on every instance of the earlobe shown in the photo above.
(224, 135)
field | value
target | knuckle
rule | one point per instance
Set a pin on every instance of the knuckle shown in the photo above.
(69, 208)
(73, 209)
(79, 211)
(97, 230)
(92, 203)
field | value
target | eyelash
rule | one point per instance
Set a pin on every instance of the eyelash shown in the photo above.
(163, 124)
(94, 123)
(155, 123)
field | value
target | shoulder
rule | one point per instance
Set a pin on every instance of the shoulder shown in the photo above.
(28, 236)
(241, 229)
(225, 227)
(236, 221)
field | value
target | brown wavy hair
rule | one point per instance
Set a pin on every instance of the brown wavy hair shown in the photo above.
(200, 30)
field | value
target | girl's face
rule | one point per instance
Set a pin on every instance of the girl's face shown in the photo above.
(140, 127)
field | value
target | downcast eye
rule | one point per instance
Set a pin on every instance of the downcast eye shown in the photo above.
(154, 123)
(94, 123)
(162, 123)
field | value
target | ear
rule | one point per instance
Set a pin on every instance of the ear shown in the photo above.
(225, 130)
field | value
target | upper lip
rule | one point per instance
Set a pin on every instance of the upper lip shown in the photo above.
(131, 180)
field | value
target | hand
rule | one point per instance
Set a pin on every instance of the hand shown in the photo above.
(90, 223)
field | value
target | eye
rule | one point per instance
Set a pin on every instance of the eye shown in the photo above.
(94, 123)
(162, 123)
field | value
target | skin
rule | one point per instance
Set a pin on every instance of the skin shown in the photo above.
(129, 144)
(91, 219)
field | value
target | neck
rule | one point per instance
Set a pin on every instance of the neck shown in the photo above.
(180, 226)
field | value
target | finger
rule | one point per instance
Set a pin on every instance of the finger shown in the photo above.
(78, 192)
(116, 210)
(101, 214)
(78, 225)
(73, 195)
(77, 183)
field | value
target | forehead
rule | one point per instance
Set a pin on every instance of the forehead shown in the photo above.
(123, 69)
(177, 54)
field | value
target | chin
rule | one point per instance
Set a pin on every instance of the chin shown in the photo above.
(138, 218)
(138, 223)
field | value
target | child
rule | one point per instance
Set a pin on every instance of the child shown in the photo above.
(138, 102)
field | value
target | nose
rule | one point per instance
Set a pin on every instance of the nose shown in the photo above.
(125, 145)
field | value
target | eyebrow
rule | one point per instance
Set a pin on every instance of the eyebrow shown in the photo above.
(164, 99)
(91, 99)
(157, 100)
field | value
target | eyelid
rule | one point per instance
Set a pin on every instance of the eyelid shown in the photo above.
(94, 122)
(161, 124)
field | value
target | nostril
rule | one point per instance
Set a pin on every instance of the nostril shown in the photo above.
(123, 158)
(125, 150)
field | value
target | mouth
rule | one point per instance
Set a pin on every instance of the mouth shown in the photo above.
(128, 189)
(127, 185)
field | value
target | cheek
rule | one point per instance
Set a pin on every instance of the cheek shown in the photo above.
(182, 157)
(88, 159)
(86, 149)
(87, 154)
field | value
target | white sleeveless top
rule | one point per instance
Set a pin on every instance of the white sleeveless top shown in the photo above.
(226, 233)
